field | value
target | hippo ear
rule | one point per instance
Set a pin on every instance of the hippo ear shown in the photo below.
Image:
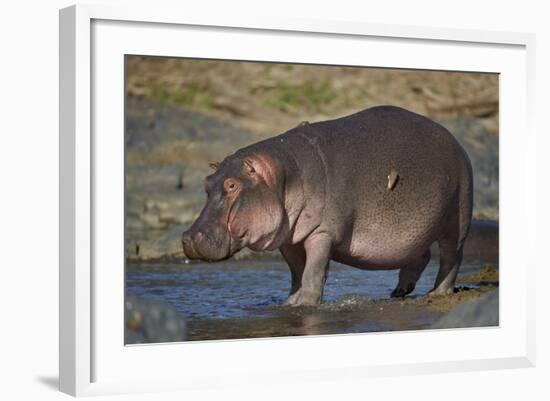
(262, 167)
(249, 167)
(214, 165)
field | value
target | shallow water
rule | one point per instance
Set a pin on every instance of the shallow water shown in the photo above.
(243, 299)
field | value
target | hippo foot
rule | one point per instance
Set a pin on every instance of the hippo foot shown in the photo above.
(291, 300)
(441, 291)
(303, 298)
(400, 292)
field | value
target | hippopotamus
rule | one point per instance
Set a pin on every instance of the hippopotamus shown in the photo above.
(373, 190)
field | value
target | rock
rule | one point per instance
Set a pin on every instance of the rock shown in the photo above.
(152, 322)
(482, 312)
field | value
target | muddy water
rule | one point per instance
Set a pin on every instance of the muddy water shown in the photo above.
(243, 299)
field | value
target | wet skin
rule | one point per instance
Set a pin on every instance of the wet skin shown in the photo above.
(371, 190)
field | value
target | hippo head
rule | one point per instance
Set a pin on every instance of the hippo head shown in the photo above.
(244, 208)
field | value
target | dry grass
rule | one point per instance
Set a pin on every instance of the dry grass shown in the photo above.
(269, 98)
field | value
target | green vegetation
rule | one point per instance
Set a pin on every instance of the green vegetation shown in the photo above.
(187, 96)
(310, 95)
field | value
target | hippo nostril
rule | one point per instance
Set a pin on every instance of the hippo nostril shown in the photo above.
(197, 236)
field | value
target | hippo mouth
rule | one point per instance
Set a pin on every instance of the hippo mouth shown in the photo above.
(189, 250)
(234, 245)
(209, 251)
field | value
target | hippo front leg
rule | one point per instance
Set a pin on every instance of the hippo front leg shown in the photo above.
(295, 256)
(317, 250)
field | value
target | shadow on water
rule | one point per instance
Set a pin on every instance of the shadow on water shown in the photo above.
(244, 299)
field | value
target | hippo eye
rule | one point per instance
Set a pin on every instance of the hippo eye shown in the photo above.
(230, 185)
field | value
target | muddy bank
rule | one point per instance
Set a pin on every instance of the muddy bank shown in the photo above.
(474, 306)
(354, 314)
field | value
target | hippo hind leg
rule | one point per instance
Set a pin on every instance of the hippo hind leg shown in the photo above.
(450, 259)
(452, 239)
(409, 275)
(295, 256)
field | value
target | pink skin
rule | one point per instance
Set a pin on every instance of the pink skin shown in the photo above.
(250, 210)
(259, 224)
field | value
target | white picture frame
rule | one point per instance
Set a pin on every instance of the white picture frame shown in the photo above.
(93, 358)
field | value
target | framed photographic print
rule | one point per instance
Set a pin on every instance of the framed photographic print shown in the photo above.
(290, 199)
